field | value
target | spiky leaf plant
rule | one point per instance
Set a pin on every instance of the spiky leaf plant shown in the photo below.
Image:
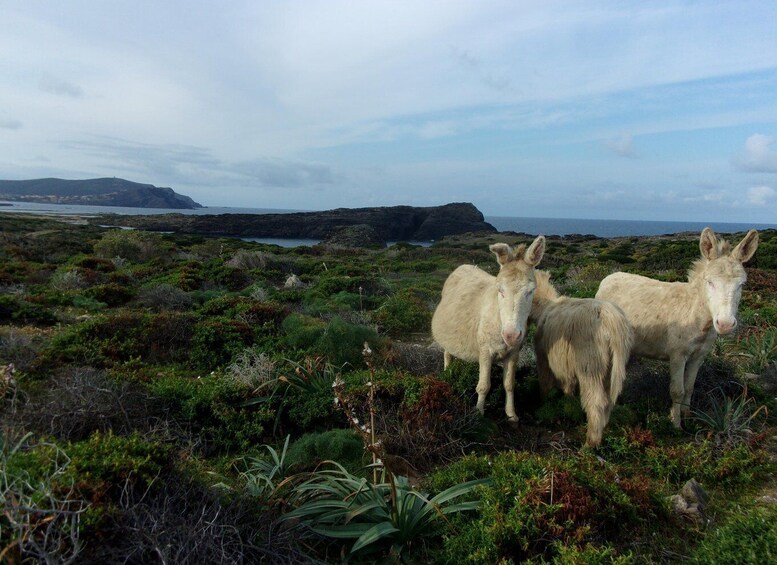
(337, 504)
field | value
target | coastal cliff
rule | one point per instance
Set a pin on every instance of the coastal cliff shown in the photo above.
(95, 192)
(394, 223)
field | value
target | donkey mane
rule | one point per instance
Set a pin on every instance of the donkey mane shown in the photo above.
(729, 269)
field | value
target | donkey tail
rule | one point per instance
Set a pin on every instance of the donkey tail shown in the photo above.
(621, 342)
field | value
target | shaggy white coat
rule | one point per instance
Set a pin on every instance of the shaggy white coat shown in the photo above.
(581, 343)
(679, 321)
(483, 318)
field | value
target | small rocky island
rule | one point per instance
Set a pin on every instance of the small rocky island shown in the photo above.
(95, 192)
(393, 223)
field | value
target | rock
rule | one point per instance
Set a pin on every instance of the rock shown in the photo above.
(395, 223)
(360, 235)
(293, 281)
(691, 503)
(692, 492)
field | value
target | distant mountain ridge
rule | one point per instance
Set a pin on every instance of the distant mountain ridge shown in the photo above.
(94, 192)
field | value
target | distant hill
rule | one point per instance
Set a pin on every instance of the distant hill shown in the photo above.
(393, 223)
(94, 192)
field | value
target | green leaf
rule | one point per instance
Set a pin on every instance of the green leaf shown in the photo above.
(376, 533)
(346, 531)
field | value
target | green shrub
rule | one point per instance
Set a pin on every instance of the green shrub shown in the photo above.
(105, 463)
(337, 340)
(41, 515)
(18, 310)
(88, 303)
(216, 341)
(538, 505)
(404, 313)
(111, 294)
(559, 408)
(340, 445)
(132, 245)
(217, 408)
(749, 536)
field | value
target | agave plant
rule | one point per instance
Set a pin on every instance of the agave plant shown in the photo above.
(729, 420)
(336, 504)
(263, 476)
(759, 349)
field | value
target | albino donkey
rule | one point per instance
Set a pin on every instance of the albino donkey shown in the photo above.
(482, 317)
(581, 342)
(679, 321)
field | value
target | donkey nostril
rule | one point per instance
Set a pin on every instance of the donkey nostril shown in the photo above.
(725, 326)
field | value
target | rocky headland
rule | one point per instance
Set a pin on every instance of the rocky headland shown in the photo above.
(393, 223)
(95, 192)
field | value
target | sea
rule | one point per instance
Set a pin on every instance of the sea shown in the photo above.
(533, 226)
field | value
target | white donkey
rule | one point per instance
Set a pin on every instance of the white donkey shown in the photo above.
(581, 343)
(482, 317)
(679, 321)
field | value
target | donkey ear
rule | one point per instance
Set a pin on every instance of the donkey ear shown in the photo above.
(503, 252)
(708, 244)
(536, 250)
(744, 251)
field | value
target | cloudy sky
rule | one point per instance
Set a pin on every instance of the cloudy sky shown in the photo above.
(625, 110)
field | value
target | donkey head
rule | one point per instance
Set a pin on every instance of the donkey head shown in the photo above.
(515, 286)
(723, 276)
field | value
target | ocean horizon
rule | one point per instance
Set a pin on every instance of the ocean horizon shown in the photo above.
(527, 225)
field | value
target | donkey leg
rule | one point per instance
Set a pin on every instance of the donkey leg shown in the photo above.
(509, 384)
(596, 403)
(446, 360)
(691, 370)
(544, 374)
(484, 380)
(676, 387)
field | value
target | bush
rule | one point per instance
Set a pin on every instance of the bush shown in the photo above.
(252, 368)
(81, 401)
(538, 505)
(164, 297)
(343, 446)
(337, 340)
(217, 408)
(749, 536)
(111, 294)
(404, 313)
(105, 463)
(132, 245)
(216, 341)
(67, 280)
(18, 310)
(182, 521)
(41, 520)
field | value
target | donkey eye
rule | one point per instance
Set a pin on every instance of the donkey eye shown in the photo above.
(711, 285)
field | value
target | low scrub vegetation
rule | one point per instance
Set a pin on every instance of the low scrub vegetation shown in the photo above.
(167, 399)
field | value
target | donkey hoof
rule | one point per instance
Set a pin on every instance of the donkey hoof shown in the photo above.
(513, 421)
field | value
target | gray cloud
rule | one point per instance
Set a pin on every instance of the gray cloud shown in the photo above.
(187, 164)
(10, 124)
(60, 87)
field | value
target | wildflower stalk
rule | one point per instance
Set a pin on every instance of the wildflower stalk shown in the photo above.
(366, 431)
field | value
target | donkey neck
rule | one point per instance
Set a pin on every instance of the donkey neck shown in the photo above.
(698, 308)
(545, 294)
